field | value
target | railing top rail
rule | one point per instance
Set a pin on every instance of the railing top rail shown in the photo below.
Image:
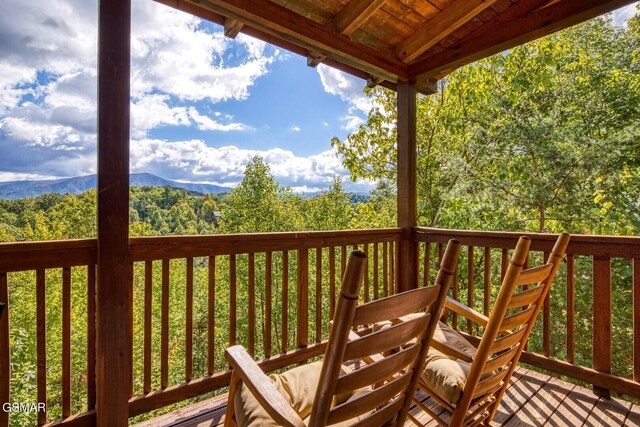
(22, 256)
(580, 244)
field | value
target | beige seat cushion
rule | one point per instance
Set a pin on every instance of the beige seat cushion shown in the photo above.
(445, 375)
(297, 385)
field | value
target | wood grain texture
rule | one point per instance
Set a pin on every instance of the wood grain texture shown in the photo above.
(148, 319)
(602, 315)
(354, 14)
(302, 300)
(636, 319)
(211, 316)
(268, 321)
(188, 345)
(164, 326)
(41, 343)
(91, 337)
(113, 355)
(66, 342)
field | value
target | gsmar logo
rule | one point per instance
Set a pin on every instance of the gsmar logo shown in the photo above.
(24, 407)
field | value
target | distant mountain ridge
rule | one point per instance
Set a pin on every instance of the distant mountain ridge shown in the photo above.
(21, 189)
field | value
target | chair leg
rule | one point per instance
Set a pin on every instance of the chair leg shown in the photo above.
(230, 415)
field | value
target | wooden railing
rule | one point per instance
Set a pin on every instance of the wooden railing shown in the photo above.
(192, 297)
(274, 293)
(577, 331)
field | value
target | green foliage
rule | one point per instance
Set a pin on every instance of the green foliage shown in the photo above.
(543, 137)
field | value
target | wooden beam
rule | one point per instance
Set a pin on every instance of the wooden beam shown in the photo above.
(282, 23)
(406, 183)
(373, 81)
(427, 85)
(526, 20)
(314, 59)
(454, 16)
(113, 300)
(232, 28)
(354, 14)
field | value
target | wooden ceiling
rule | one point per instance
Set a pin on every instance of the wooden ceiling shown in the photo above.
(386, 41)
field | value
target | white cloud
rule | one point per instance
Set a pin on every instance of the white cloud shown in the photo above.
(48, 86)
(150, 111)
(193, 160)
(622, 15)
(351, 123)
(207, 123)
(295, 129)
(346, 86)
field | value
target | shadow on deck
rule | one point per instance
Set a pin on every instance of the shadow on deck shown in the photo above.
(533, 399)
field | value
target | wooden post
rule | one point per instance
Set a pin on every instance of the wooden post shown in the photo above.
(113, 300)
(407, 195)
(602, 319)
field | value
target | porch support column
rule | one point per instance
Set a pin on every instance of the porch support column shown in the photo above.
(113, 300)
(407, 274)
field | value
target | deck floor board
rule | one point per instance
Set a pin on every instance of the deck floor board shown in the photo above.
(533, 399)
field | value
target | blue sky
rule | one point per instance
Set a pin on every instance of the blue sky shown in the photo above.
(202, 104)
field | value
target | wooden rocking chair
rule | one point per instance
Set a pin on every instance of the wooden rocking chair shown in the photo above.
(354, 384)
(469, 382)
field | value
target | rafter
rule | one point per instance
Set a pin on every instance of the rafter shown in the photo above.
(455, 15)
(354, 14)
(280, 22)
(232, 28)
(523, 22)
(314, 59)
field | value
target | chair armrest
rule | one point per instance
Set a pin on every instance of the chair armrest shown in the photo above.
(261, 387)
(465, 311)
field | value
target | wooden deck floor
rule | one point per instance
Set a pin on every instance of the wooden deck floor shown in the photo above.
(532, 399)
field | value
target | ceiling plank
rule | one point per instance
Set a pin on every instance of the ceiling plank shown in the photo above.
(278, 21)
(354, 14)
(510, 29)
(455, 15)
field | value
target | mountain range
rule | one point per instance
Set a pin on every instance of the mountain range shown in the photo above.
(21, 189)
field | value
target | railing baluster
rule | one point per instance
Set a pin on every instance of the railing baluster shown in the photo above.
(366, 274)
(454, 294)
(602, 319)
(332, 281)
(504, 263)
(41, 343)
(164, 327)
(252, 304)
(427, 263)
(285, 301)
(91, 337)
(440, 253)
(546, 320)
(66, 342)
(487, 280)
(636, 319)
(318, 294)
(233, 300)
(343, 261)
(385, 269)
(188, 362)
(470, 286)
(268, 282)
(5, 351)
(130, 326)
(392, 268)
(571, 304)
(148, 311)
(211, 316)
(302, 306)
(376, 278)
